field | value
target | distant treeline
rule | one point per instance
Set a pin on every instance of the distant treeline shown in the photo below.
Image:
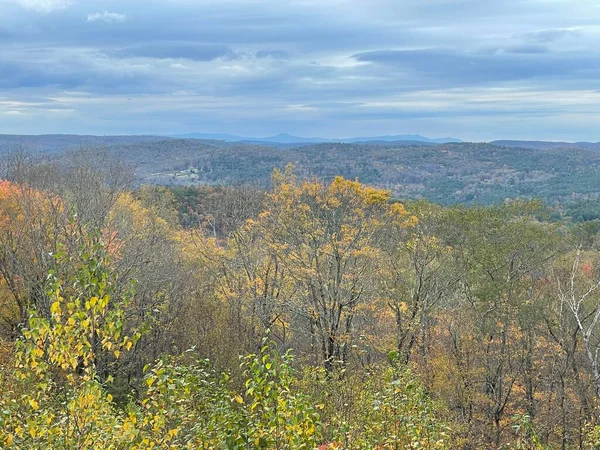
(470, 173)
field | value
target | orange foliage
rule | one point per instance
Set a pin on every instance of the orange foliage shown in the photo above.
(587, 269)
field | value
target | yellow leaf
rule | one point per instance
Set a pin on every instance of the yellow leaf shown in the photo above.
(55, 308)
(239, 399)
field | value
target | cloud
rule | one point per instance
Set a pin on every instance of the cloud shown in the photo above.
(256, 67)
(527, 49)
(44, 6)
(449, 67)
(275, 54)
(177, 50)
(108, 17)
(546, 36)
(56, 71)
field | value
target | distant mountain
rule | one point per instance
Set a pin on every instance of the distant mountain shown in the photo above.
(547, 145)
(209, 136)
(285, 138)
(399, 143)
(402, 137)
(54, 142)
(444, 173)
(295, 144)
(282, 138)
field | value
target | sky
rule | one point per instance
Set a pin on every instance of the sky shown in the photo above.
(478, 70)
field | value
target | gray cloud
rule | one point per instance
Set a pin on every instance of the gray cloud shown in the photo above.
(63, 72)
(169, 50)
(527, 49)
(342, 67)
(275, 54)
(546, 36)
(450, 67)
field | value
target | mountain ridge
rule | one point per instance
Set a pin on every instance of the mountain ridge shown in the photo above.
(285, 138)
(547, 145)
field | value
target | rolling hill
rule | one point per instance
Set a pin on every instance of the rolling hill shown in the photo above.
(445, 173)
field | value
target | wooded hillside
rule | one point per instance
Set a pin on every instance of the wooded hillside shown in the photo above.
(317, 313)
(472, 173)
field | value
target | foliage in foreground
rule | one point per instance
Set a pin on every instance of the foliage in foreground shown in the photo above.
(494, 309)
(55, 397)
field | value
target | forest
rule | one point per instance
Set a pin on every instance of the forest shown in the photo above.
(563, 175)
(315, 312)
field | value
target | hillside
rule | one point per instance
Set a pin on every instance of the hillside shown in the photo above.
(285, 138)
(547, 145)
(446, 173)
(53, 142)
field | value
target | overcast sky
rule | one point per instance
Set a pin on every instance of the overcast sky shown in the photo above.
(472, 69)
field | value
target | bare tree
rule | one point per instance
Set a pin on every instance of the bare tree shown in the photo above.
(578, 298)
